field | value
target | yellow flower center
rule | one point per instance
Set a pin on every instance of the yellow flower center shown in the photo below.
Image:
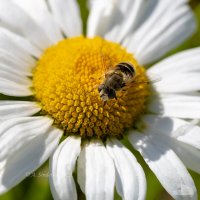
(66, 81)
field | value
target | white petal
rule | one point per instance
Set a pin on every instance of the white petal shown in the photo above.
(166, 165)
(164, 125)
(168, 24)
(96, 172)
(15, 63)
(189, 134)
(14, 18)
(67, 14)
(17, 46)
(188, 154)
(23, 129)
(176, 128)
(183, 62)
(13, 88)
(38, 10)
(187, 82)
(62, 165)
(179, 135)
(132, 13)
(26, 150)
(100, 18)
(12, 109)
(14, 83)
(187, 97)
(12, 64)
(130, 178)
(115, 19)
(182, 106)
(20, 79)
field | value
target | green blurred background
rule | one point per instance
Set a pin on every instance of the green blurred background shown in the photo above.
(36, 186)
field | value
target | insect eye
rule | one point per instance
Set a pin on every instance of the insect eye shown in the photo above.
(112, 94)
(100, 87)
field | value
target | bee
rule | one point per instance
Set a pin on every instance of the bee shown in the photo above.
(116, 79)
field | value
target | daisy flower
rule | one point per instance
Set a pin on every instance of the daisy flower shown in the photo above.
(45, 58)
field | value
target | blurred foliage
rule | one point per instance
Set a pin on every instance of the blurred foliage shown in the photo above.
(37, 186)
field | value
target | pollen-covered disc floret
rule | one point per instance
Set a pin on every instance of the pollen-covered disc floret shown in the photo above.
(66, 81)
